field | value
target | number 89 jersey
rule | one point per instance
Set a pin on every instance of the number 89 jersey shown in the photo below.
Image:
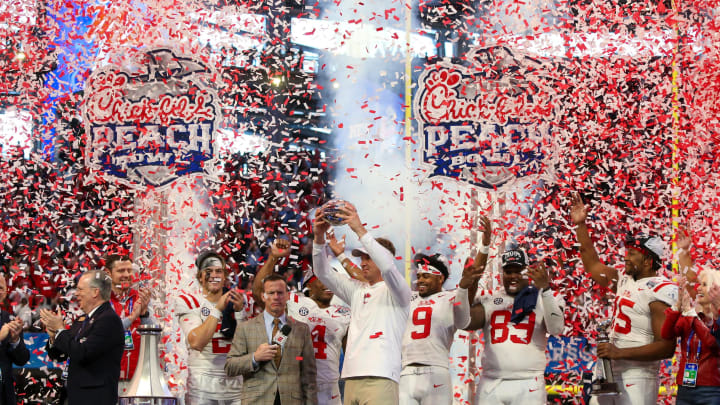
(512, 351)
(328, 326)
(430, 330)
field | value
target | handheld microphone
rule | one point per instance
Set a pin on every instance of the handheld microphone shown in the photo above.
(281, 336)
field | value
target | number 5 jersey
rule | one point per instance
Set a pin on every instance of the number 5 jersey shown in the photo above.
(632, 320)
(517, 351)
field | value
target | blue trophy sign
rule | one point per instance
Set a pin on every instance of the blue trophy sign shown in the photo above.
(151, 121)
(486, 121)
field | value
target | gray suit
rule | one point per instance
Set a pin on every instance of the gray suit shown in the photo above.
(294, 379)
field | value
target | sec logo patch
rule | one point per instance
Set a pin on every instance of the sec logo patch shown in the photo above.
(498, 301)
(303, 311)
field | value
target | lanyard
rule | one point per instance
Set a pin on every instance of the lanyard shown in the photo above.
(699, 345)
(120, 309)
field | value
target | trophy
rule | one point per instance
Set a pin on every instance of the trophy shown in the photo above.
(331, 209)
(605, 384)
(148, 386)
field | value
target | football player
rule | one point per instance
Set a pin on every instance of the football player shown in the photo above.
(641, 297)
(515, 321)
(200, 319)
(434, 319)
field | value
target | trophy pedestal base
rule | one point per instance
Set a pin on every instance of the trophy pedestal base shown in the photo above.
(601, 388)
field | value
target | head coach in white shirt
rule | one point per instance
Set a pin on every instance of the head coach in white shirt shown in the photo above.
(379, 312)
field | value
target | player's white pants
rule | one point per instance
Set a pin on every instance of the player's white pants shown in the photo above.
(425, 385)
(496, 391)
(328, 394)
(633, 391)
(204, 389)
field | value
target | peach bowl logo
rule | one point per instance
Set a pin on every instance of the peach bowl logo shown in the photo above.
(152, 121)
(482, 122)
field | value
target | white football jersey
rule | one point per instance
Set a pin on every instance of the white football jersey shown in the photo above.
(327, 326)
(207, 367)
(632, 320)
(430, 330)
(513, 351)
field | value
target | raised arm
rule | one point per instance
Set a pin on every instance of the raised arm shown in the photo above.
(553, 304)
(382, 258)
(686, 265)
(602, 274)
(470, 277)
(338, 249)
(481, 258)
(279, 249)
(461, 308)
(341, 286)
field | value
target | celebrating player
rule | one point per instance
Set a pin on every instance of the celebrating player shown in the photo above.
(515, 322)
(636, 345)
(200, 319)
(328, 323)
(434, 319)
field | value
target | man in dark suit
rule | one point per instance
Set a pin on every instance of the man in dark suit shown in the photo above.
(94, 343)
(12, 349)
(273, 374)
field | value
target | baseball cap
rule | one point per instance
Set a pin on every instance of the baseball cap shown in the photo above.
(516, 257)
(382, 241)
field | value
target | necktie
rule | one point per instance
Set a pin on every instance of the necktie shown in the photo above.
(276, 328)
(83, 325)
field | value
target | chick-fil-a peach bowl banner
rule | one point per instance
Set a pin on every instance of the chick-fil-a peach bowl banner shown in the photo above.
(152, 120)
(484, 120)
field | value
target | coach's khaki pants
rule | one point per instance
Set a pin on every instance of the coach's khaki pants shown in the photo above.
(371, 391)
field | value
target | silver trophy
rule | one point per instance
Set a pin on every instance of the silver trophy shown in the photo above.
(148, 386)
(604, 384)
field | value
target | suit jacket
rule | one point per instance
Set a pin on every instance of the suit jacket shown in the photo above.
(9, 355)
(94, 348)
(295, 379)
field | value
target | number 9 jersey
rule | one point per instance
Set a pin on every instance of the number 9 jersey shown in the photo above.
(430, 330)
(517, 351)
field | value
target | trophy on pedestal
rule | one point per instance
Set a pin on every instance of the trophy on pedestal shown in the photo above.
(148, 386)
(605, 383)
